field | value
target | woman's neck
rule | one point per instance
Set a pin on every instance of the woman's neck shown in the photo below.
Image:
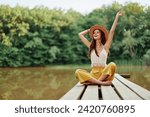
(99, 44)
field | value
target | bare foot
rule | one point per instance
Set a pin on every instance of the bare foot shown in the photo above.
(106, 83)
(103, 78)
(86, 83)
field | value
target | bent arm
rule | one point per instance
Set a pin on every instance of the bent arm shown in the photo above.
(112, 30)
(83, 39)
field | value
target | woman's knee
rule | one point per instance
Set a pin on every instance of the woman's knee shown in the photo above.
(78, 71)
(112, 64)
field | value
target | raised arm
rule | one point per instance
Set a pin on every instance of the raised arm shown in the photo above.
(112, 30)
(83, 39)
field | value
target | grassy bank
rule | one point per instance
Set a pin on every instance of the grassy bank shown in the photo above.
(126, 63)
(70, 66)
(136, 62)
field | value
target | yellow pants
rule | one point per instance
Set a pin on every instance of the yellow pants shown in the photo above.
(96, 72)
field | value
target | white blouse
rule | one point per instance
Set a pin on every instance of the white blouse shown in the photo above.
(99, 60)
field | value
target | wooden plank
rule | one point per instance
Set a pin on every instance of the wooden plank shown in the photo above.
(91, 93)
(125, 92)
(108, 93)
(125, 75)
(144, 93)
(74, 93)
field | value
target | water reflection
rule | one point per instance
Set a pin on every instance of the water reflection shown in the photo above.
(35, 83)
(50, 83)
(139, 74)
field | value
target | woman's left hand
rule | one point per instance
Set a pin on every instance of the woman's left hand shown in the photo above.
(119, 13)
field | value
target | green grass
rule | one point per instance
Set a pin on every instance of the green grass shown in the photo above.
(123, 62)
(136, 62)
(70, 66)
(88, 66)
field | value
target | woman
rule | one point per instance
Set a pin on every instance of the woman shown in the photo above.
(101, 73)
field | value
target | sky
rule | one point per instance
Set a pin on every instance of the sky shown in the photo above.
(82, 6)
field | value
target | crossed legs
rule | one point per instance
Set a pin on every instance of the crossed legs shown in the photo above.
(105, 79)
(99, 82)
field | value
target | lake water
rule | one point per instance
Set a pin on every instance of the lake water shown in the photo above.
(51, 83)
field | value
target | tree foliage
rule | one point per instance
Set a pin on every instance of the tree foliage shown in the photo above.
(42, 36)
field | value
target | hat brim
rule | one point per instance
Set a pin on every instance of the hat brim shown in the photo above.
(98, 27)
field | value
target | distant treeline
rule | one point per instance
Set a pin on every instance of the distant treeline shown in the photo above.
(42, 36)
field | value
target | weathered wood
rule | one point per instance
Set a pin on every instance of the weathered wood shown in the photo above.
(144, 93)
(121, 89)
(125, 92)
(91, 93)
(74, 93)
(108, 93)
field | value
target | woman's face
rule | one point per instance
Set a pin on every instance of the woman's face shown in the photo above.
(97, 34)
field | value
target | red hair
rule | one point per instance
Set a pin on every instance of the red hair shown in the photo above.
(93, 43)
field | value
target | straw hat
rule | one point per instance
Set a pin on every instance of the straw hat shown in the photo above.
(95, 27)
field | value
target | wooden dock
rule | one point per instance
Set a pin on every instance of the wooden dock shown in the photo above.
(121, 89)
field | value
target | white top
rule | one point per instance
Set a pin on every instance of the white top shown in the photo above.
(99, 60)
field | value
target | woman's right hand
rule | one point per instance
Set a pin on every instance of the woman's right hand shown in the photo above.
(88, 29)
(82, 37)
(84, 32)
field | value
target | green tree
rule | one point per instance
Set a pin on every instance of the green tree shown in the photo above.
(42, 36)
(146, 57)
(129, 45)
